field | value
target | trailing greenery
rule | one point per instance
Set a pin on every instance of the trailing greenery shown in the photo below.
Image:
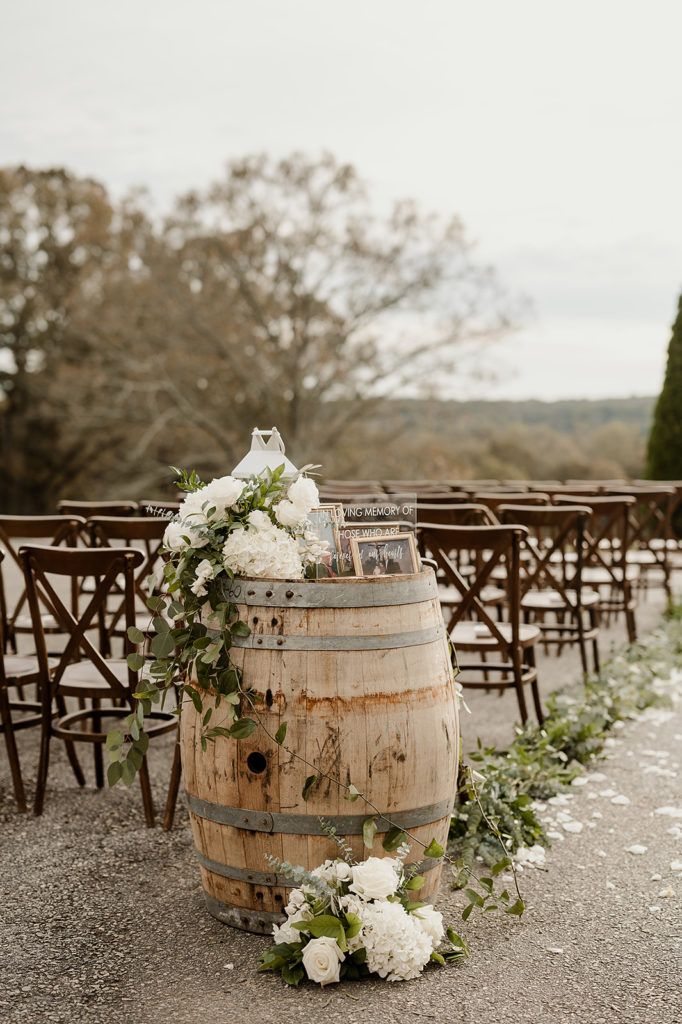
(664, 456)
(498, 788)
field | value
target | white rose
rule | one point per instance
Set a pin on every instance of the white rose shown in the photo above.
(375, 879)
(303, 493)
(344, 872)
(221, 494)
(203, 572)
(431, 921)
(322, 960)
(174, 537)
(289, 514)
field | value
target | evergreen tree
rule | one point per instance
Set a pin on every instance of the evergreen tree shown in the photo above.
(664, 459)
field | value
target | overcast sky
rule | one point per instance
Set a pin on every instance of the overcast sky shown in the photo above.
(552, 129)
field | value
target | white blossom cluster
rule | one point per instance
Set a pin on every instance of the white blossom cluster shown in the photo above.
(398, 943)
(275, 542)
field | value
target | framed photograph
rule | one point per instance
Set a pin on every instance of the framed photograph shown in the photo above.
(387, 554)
(349, 532)
(325, 525)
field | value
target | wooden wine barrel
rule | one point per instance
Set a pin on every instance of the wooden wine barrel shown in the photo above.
(360, 672)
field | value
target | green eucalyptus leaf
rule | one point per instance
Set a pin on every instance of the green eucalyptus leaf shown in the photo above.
(135, 661)
(281, 734)
(369, 830)
(135, 635)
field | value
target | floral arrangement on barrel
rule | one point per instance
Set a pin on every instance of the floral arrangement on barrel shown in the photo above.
(229, 527)
(351, 920)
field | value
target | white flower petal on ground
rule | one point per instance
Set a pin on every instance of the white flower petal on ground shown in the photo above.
(533, 855)
(656, 878)
(669, 812)
(654, 910)
(620, 800)
(637, 850)
(676, 865)
(610, 885)
(607, 792)
(573, 826)
(557, 950)
(667, 893)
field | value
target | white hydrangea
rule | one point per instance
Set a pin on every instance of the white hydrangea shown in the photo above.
(263, 553)
(398, 947)
(221, 494)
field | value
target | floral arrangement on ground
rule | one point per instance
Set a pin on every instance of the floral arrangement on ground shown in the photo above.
(352, 920)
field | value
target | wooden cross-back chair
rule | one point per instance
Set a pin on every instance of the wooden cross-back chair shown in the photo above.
(52, 530)
(86, 509)
(493, 499)
(16, 672)
(82, 671)
(607, 541)
(551, 577)
(469, 622)
(464, 514)
(117, 531)
(650, 520)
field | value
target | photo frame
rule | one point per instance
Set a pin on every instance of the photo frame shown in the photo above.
(385, 554)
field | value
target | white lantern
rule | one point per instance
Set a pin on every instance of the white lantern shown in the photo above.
(265, 454)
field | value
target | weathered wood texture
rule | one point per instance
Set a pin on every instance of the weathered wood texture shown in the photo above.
(382, 716)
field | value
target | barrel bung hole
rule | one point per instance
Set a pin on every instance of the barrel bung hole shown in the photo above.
(256, 762)
(269, 699)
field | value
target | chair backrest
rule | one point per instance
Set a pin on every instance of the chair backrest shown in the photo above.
(106, 565)
(459, 514)
(118, 532)
(87, 509)
(439, 497)
(607, 534)
(497, 546)
(651, 515)
(54, 530)
(495, 498)
(554, 543)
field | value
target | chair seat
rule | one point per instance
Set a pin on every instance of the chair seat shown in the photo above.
(24, 624)
(642, 557)
(489, 595)
(82, 678)
(595, 574)
(21, 669)
(552, 600)
(473, 635)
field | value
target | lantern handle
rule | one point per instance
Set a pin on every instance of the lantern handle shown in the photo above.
(274, 444)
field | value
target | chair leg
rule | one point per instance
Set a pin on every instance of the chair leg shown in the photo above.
(594, 623)
(580, 627)
(147, 799)
(12, 753)
(518, 686)
(43, 763)
(173, 788)
(97, 727)
(534, 689)
(70, 748)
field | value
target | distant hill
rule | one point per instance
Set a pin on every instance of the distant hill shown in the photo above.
(542, 440)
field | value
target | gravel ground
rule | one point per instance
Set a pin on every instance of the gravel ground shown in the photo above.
(102, 917)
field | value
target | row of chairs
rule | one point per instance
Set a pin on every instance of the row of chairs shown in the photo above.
(514, 572)
(86, 583)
